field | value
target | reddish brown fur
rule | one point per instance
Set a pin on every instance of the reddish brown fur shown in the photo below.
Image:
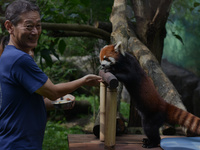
(174, 115)
(184, 118)
(149, 95)
(110, 52)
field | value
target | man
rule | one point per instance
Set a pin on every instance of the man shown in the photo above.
(48, 103)
(23, 84)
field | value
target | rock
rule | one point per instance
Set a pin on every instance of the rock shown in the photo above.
(186, 84)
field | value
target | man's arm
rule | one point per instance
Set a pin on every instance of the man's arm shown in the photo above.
(48, 104)
(56, 91)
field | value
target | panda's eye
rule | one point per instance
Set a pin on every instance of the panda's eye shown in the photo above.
(106, 59)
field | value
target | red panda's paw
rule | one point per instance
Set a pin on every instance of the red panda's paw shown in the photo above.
(148, 144)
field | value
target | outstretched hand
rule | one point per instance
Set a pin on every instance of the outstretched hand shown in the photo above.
(92, 80)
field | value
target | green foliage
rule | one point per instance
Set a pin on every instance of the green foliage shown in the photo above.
(79, 11)
(61, 46)
(125, 109)
(62, 71)
(69, 11)
(55, 137)
(78, 47)
(64, 11)
(3, 5)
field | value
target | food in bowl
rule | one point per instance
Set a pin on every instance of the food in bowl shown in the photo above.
(65, 102)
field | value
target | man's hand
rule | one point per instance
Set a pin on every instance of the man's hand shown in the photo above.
(92, 80)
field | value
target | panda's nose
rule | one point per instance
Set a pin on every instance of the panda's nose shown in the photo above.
(103, 65)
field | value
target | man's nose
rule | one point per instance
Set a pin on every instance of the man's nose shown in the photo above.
(34, 30)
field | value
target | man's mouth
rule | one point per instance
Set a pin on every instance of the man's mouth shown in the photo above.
(33, 40)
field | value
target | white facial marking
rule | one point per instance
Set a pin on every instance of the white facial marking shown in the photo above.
(112, 60)
(105, 63)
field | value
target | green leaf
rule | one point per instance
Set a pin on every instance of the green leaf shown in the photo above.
(61, 46)
(46, 55)
(86, 3)
(178, 37)
(52, 48)
(196, 4)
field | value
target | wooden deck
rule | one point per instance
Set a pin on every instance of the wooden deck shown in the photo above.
(90, 142)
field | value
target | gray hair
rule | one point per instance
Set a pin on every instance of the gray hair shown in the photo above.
(16, 8)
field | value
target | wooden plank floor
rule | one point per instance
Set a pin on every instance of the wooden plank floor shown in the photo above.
(90, 142)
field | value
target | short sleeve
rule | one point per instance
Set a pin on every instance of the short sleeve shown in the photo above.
(27, 73)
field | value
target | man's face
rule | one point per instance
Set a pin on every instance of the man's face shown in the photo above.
(26, 33)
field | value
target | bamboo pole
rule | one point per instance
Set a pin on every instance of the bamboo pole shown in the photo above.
(109, 92)
(102, 110)
(110, 122)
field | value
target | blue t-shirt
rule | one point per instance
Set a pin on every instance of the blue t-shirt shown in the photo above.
(22, 112)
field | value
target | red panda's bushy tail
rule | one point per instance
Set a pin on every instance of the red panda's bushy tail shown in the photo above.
(176, 115)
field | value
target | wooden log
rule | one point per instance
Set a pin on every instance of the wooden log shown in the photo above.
(109, 79)
(110, 122)
(102, 110)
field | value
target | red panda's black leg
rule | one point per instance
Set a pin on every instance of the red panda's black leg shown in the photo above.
(153, 139)
(151, 128)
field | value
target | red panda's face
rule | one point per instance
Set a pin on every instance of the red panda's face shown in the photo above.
(108, 56)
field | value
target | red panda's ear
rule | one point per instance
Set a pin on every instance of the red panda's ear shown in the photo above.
(117, 48)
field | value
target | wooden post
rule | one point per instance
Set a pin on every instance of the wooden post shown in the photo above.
(108, 109)
(111, 114)
(102, 110)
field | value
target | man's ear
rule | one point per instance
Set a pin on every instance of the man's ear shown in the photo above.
(9, 26)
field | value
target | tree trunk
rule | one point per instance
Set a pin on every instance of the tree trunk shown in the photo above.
(123, 31)
(151, 17)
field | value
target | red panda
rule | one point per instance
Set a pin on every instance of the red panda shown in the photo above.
(154, 111)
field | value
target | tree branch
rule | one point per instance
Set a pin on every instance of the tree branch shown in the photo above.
(107, 26)
(77, 34)
(78, 30)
